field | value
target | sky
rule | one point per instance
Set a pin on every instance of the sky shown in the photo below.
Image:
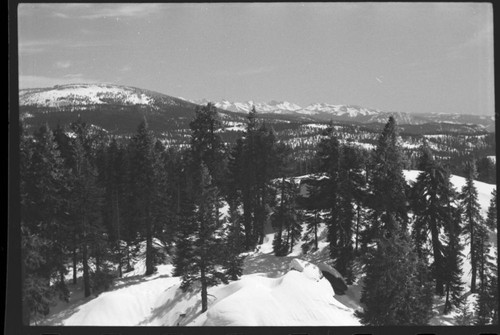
(407, 57)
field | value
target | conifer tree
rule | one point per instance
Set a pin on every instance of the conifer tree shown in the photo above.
(465, 316)
(233, 263)
(115, 198)
(483, 310)
(248, 178)
(209, 263)
(206, 246)
(491, 219)
(329, 163)
(256, 161)
(350, 187)
(65, 147)
(343, 191)
(287, 219)
(452, 272)
(471, 219)
(429, 197)
(395, 292)
(312, 203)
(86, 199)
(207, 143)
(396, 289)
(144, 187)
(388, 200)
(268, 166)
(42, 187)
(487, 303)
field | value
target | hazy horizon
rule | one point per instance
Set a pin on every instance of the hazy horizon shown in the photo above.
(404, 57)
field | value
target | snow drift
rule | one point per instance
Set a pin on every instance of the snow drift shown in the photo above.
(302, 297)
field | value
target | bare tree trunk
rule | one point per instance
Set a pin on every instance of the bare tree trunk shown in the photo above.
(149, 247)
(86, 273)
(204, 290)
(118, 236)
(75, 262)
(316, 230)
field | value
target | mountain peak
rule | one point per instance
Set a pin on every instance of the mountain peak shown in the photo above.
(83, 94)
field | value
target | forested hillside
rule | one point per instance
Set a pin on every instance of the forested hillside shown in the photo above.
(91, 202)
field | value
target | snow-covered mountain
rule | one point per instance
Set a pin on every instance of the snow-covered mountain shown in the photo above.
(99, 97)
(351, 113)
(114, 108)
(285, 107)
(78, 95)
(274, 107)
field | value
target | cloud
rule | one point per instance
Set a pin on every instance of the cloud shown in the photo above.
(41, 81)
(103, 11)
(37, 46)
(47, 45)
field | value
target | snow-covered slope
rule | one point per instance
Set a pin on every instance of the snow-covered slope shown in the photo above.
(76, 95)
(79, 94)
(294, 299)
(483, 189)
(273, 291)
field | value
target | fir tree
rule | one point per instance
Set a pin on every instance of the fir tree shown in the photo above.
(471, 219)
(465, 316)
(115, 198)
(430, 205)
(312, 204)
(452, 271)
(86, 199)
(491, 219)
(256, 160)
(287, 217)
(388, 200)
(144, 187)
(42, 188)
(233, 262)
(351, 191)
(207, 143)
(395, 292)
(206, 246)
(487, 303)
(329, 162)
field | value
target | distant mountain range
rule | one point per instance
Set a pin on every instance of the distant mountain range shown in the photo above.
(120, 108)
(352, 113)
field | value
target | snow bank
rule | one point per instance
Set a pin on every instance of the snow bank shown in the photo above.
(129, 302)
(291, 300)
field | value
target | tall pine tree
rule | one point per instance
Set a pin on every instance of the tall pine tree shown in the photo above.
(42, 190)
(471, 219)
(430, 202)
(396, 289)
(144, 187)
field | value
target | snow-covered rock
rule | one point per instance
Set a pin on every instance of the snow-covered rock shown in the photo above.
(308, 269)
(334, 277)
